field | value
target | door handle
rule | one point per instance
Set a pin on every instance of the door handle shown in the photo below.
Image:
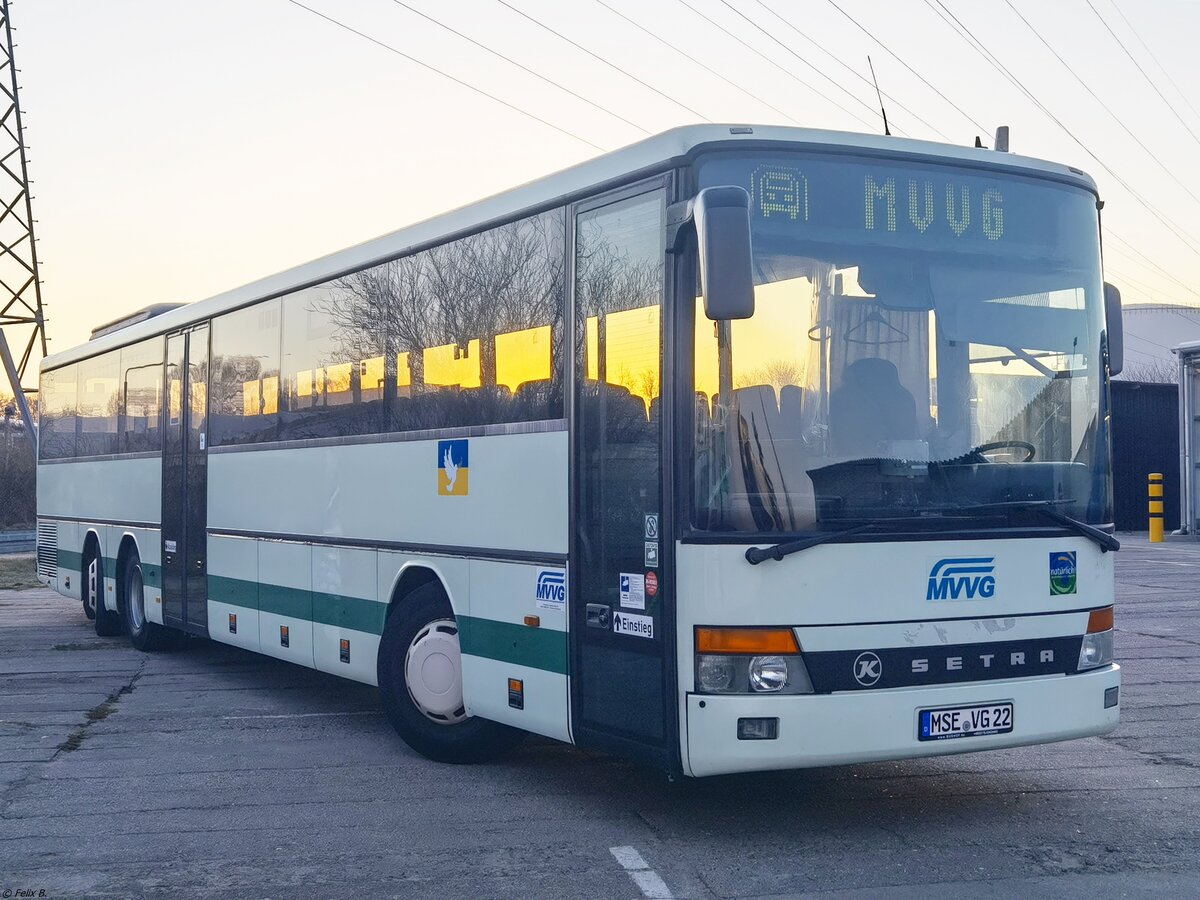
(199, 564)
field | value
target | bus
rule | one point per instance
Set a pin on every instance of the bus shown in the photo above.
(740, 448)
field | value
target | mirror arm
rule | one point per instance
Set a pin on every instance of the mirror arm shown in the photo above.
(680, 221)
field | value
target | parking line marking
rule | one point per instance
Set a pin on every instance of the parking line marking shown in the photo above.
(368, 712)
(647, 880)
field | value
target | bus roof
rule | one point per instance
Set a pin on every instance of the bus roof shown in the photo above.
(652, 154)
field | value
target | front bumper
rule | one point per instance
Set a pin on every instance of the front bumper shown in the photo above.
(853, 727)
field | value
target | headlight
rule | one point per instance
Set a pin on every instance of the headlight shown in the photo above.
(743, 674)
(768, 674)
(715, 674)
(1097, 650)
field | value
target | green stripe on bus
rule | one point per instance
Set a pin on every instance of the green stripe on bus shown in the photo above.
(233, 591)
(504, 641)
(72, 561)
(349, 612)
(520, 645)
(337, 610)
(293, 603)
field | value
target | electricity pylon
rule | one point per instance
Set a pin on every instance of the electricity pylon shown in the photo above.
(21, 311)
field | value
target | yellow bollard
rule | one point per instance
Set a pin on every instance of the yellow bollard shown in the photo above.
(1156, 507)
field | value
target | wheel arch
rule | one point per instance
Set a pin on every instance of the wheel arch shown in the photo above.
(416, 574)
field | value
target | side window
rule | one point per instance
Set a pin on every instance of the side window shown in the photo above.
(244, 375)
(141, 397)
(469, 333)
(57, 403)
(99, 399)
(333, 371)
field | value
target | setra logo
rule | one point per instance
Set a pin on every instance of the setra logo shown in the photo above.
(962, 578)
(1062, 572)
(868, 668)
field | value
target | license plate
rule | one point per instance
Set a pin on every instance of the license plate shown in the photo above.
(964, 721)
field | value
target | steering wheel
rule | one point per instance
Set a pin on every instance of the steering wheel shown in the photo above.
(978, 452)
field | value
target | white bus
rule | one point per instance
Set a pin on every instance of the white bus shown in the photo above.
(736, 449)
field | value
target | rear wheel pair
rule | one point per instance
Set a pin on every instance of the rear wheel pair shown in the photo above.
(143, 634)
(420, 681)
(107, 622)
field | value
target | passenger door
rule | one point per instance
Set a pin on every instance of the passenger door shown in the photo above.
(621, 602)
(185, 482)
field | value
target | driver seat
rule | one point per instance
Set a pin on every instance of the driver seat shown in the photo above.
(870, 408)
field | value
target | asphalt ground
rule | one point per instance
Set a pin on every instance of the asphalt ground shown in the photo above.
(212, 771)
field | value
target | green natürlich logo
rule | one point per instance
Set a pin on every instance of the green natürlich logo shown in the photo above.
(1062, 572)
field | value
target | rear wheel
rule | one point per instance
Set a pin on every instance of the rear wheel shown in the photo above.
(88, 583)
(420, 680)
(145, 635)
(108, 623)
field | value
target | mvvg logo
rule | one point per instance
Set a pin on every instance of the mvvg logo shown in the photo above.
(551, 591)
(962, 578)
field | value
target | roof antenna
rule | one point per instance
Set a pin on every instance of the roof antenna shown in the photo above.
(886, 130)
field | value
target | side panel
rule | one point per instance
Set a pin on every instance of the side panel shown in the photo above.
(233, 591)
(516, 498)
(498, 644)
(102, 490)
(347, 606)
(285, 599)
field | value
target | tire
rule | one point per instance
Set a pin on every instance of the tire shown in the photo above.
(421, 629)
(145, 635)
(108, 623)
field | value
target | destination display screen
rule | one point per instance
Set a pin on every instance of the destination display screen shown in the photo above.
(916, 206)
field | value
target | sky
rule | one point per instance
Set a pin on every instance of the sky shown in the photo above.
(182, 149)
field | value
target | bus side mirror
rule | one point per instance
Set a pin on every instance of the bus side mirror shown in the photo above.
(722, 216)
(1116, 332)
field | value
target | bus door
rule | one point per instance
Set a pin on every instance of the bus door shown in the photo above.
(621, 595)
(185, 482)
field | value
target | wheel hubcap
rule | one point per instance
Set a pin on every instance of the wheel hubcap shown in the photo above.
(433, 672)
(92, 587)
(136, 598)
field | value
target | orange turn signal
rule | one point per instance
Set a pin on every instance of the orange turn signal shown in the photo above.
(746, 640)
(1100, 620)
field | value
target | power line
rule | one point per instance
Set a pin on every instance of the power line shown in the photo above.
(1106, 107)
(1161, 67)
(799, 58)
(853, 71)
(982, 128)
(1149, 81)
(599, 58)
(965, 33)
(691, 58)
(1147, 261)
(447, 75)
(796, 78)
(1142, 285)
(523, 68)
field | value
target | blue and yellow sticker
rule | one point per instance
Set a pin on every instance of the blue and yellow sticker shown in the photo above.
(1063, 574)
(453, 462)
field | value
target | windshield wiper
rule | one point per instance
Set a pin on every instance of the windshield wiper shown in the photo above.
(755, 555)
(1048, 509)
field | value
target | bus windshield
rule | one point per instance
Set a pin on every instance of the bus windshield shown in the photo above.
(926, 347)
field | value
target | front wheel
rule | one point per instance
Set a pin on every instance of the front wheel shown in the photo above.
(420, 681)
